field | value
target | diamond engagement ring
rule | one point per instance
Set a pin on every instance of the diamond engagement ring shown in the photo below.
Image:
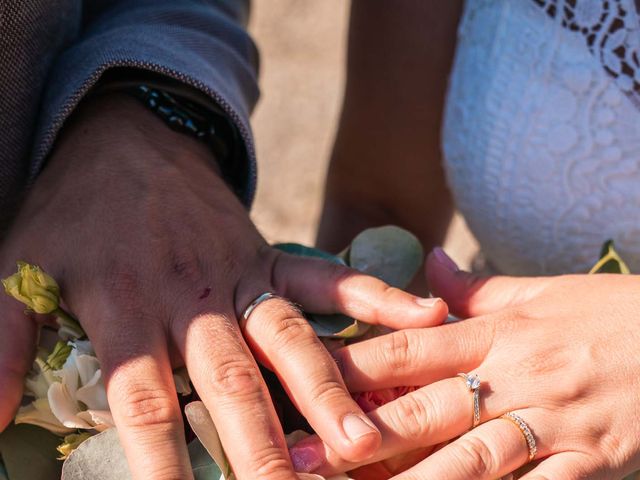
(526, 432)
(473, 384)
(252, 306)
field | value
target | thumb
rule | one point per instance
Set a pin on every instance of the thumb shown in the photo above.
(471, 295)
(17, 343)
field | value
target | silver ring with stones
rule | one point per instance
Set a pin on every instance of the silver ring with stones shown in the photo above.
(252, 306)
(526, 432)
(473, 384)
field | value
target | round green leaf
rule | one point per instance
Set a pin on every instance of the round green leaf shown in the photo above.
(390, 253)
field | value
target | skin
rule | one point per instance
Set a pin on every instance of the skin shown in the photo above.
(561, 352)
(386, 163)
(158, 259)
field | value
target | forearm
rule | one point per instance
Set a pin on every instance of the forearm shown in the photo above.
(386, 164)
(200, 45)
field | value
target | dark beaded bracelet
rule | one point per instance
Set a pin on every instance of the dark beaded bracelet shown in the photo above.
(213, 128)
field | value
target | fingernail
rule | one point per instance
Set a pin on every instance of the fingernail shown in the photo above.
(357, 427)
(304, 459)
(428, 302)
(445, 260)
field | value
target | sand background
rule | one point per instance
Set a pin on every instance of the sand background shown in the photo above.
(303, 52)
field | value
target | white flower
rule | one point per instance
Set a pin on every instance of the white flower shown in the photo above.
(79, 399)
(71, 398)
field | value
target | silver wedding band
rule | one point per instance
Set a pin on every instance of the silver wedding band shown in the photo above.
(252, 306)
(473, 384)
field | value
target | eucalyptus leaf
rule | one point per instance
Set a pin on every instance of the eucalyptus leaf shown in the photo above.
(336, 325)
(202, 425)
(29, 453)
(610, 261)
(390, 253)
(100, 456)
(304, 251)
(204, 467)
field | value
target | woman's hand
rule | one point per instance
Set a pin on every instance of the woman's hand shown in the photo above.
(158, 260)
(561, 352)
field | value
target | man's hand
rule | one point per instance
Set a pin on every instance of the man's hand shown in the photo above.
(158, 259)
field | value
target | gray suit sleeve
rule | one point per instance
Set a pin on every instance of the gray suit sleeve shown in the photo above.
(202, 44)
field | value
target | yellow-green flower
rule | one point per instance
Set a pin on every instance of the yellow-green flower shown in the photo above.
(58, 356)
(70, 443)
(33, 287)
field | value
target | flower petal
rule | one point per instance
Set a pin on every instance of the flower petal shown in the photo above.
(93, 394)
(100, 419)
(87, 367)
(64, 407)
(38, 413)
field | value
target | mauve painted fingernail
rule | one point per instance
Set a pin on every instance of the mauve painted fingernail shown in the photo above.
(356, 427)
(445, 260)
(428, 302)
(305, 459)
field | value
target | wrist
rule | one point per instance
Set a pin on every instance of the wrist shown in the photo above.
(119, 126)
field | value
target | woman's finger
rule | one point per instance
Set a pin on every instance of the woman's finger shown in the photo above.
(487, 452)
(143, 399)
(428, 416)
(567, 466)
(282, 339)
(229, 383)
(16, 356)
(323, 287)
(416, 356)
(470, 295)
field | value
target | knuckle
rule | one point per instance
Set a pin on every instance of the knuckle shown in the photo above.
(236, 376)
(412, 416)
(289, 330)
(475, 456)
(269, 463)
(325, 392)
(387, 295)
(184, 265)
(338, 273)
(397, 351)
(148, 407)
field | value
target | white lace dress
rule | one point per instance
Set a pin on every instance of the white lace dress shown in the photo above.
(542, 131)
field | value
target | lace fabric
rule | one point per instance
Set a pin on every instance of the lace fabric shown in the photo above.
(541, 134)
(610, 30)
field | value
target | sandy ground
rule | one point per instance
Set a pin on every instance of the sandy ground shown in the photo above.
(303, 46)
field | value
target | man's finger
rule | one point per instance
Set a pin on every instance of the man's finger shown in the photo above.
(144, 402)
(16, 355)
(284, 341)
(323, 287)
(470, 295)
(428, 416)
(415, 357)
(229, 383)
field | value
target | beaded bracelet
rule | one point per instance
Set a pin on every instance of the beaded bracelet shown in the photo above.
(213, 128)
